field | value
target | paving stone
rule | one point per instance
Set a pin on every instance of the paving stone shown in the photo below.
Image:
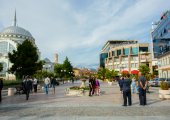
(104, 107)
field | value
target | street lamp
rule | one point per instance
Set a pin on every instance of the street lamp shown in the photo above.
(63, 71)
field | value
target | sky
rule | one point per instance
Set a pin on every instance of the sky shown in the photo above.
(78, 29)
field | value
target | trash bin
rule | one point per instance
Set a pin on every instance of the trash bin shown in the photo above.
(10, 91)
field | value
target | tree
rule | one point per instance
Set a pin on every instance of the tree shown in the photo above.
(110, 74)
(58, 70)
(145, 70)
(68, 68)
(25, 60)
(1, 67)
(101, 73)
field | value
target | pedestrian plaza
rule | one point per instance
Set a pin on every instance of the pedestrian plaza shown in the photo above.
(107, 106)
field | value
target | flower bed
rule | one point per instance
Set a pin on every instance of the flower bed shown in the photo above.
(77, 91)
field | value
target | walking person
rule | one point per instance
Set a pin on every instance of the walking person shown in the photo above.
(35, 82)
(90, 86)
(53, 84)
(120, 81)
(27, 86)
(93, 85)
(97, 87)
(46, 84)
(127, 91)
(1, 86)
(142, 89)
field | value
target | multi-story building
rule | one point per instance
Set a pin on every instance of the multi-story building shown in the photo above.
(128, 57)
(161, 44)
(109, 45)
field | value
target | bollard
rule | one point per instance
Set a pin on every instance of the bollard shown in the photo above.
(10, 91)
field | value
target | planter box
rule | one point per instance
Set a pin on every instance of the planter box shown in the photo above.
(77, 92)
(164, 94)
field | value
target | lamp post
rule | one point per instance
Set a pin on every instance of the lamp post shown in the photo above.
(63, 71)
(71, 73)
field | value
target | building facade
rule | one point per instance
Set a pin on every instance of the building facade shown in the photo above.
(48, 66)
(128, 57)
(161, 44)
(109, 45)
(10, 37)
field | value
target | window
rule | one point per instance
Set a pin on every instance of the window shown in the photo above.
(135, 50)
(132, 65)
(126, 51)
(113, 53)
(103, 56)
(118, 52)
(11, 48)
(143, 49)
(3, 47)
(136, 65)
(134, 58)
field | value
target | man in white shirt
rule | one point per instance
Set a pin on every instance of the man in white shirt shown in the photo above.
(46, 84)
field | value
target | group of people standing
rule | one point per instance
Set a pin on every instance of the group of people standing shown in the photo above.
(28, 85)
(125, 84)
(94, 86)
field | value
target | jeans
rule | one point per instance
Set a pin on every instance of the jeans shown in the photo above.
(46, 89)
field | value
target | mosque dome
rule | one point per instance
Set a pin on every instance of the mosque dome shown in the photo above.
(15, 30)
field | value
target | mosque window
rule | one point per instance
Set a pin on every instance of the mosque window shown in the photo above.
(11, 48)
(3, 47)
(2, 73)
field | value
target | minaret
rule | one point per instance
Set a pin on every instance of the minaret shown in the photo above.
(55, 58)
(15, 19)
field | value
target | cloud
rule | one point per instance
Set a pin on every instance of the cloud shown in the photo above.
(78, 28)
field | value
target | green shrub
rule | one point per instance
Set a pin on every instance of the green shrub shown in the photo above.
(11, 82)
(164, 85)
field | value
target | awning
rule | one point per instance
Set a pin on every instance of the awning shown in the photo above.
(134, 72)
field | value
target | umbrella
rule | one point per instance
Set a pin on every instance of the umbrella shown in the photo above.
(134, 72)
(125, 72)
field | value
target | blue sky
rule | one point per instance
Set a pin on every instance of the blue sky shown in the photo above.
(79, 28)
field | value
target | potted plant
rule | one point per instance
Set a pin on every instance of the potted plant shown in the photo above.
(164, 92)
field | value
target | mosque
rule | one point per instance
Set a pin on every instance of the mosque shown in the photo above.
(10, 37)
